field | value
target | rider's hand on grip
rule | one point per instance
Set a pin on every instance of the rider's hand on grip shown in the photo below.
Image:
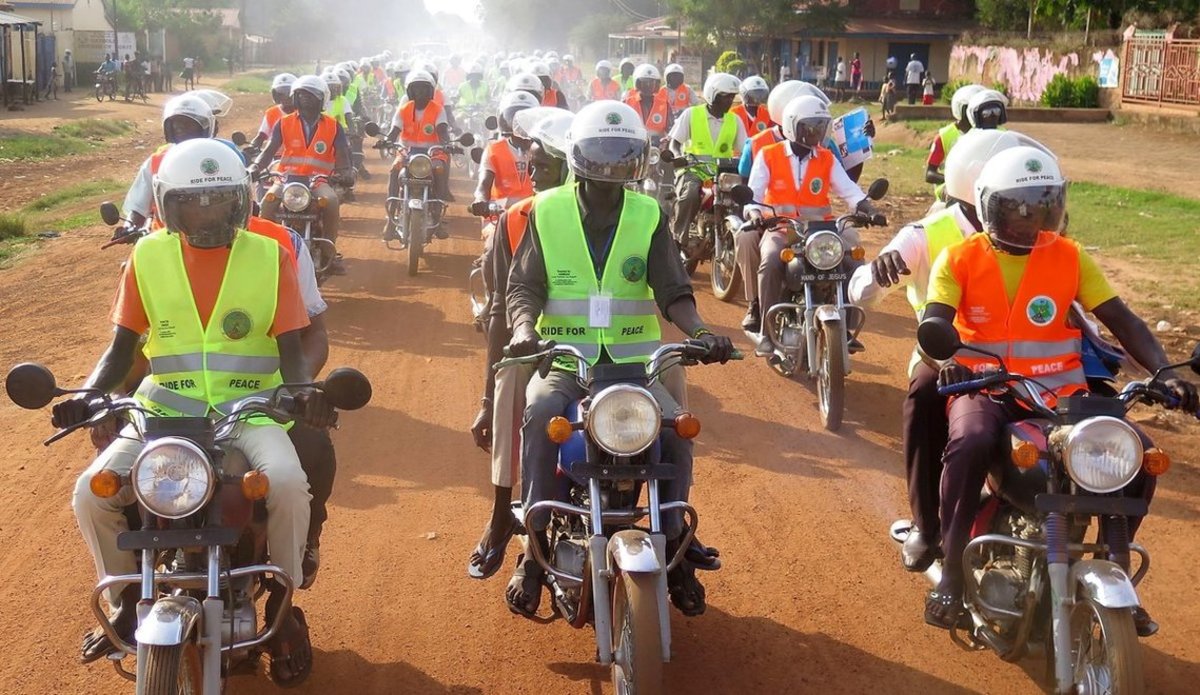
(71, 412)
(954, 373)
(315, 408)
(1185, 392)
(878, 220)
(524, 341)
(720, 348)
(479, 208)
(105, 432)
(888, 267)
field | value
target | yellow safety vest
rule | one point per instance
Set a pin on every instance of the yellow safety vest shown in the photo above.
(194, 368)
(632, 334)
(700, 141)
(949, 135)
(941, 232)
(337, 110)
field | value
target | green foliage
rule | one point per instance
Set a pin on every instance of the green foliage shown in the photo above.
(94, 128)
(952, 86)
(72, 193)
(1087, 92)
(248, 84)
(23, 148)
(730, 62)
(1141, 224)
(12, 225)
(1066, 92)
(590, 34)
(716, 23)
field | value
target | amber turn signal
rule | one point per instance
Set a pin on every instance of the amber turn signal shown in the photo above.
(787, 255)
(271, 197)
(1156, 461)
(687, 426)
(858, 253)
(559, 429)
(105, 484)
(1025, 455)
(322, 202)
(255, 485)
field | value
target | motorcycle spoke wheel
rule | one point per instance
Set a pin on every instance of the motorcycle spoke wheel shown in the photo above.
(831, 374)
(637, 666)
(1105, 655)
(173, 670)
(725, 272)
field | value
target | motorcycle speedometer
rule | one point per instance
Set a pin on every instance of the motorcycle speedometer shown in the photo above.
(296, 197)
(824, 250)
(624, 419)
(1103, 454)
(172, 478)
(420, 167)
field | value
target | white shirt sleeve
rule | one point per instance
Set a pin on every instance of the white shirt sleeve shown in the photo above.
(843, 187)
(263, 128)
(485, 162)
(141, 193)
(306, 274)
(760, 176)
(913, 246)
(681, 132)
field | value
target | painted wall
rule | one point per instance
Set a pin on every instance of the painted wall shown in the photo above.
(1025, 72)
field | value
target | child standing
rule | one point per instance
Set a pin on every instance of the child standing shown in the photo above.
(927, 89)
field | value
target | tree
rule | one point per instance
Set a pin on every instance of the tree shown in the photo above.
(716, 24)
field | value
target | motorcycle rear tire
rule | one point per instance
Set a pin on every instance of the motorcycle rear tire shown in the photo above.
(1119, 645)
(637, 640)
(173, 670)
(831, 373)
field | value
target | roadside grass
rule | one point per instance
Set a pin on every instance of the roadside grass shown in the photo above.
(923, 126)
(72, 193)
(66, 139)
(902, 166)
(1135, 224)
(64, 210)
(12, 225)
(250, 83)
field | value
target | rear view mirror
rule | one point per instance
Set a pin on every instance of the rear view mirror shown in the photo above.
(742, 194)
(477, 154)
(491, 123)
(666, 155)
(347, 388)
(238, 138)
(109, 213)
(466, 139)
(878, 189)
(31, 386)
(938, 338)
(1196, 359)
(372, 129)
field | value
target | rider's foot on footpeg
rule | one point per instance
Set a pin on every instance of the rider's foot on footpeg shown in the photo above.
(765, 347)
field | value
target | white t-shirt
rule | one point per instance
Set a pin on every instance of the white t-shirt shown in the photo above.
(682, 130)
(912, 72)
(840, 74)
(306, 274)
(189, 63)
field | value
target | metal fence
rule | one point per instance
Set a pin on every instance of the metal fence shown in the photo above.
(1160, 69)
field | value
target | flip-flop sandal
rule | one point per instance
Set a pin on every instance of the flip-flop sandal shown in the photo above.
(686, 592)
(291, 654)
(703, 557)
(943, 610)
(519, 577)
(493, 559)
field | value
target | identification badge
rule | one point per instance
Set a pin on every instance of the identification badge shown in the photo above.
(599, 311)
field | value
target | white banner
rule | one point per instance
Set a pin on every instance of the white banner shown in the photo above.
(90, 46)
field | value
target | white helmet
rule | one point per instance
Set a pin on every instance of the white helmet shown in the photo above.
(428, 67)
(313, 85)
(343, 75)
(608, 143)
(646, 71)
(974, 149)
(189, 106)
(720, 83)
(962, 95)
(403, 65)
(283, 82)
(987, 109)
(568, 58)
(527, 82)
(539, 69)
(331, 79)
(806, 121)
(209, 175)
(418, 77)
(1020, 194)
(604, 65)
(673, 69)
(548, 125)
(513, 103)
(813, 90)
(754, 90)
(781, 96)
(218, 102)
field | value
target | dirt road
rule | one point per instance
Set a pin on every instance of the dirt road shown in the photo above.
(811, 598)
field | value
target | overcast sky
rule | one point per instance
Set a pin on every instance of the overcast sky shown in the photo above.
(465, 8)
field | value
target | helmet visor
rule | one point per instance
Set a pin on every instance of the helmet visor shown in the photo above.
(207, 218)
(811, 132)
(610, 159)
(754, 97)
(1024, 218)
(990, 115)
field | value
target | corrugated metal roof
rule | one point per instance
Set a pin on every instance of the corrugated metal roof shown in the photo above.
(11, 20)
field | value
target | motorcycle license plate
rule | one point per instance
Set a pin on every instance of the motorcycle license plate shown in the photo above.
(824, 277)
(159, 539)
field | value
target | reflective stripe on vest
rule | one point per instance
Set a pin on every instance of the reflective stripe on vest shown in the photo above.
(302, 157)
(1033, 333)
(809, 201)
(941, 232)
(633, 332)
(660, 112)
(516, 222)
(424, 131)
(509, 182)
(758, 141)
(700, 140)
(197, 368)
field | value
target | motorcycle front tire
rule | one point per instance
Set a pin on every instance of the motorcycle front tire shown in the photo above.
(831, 373)
(173, 670)
(637, 640)
(415, 231)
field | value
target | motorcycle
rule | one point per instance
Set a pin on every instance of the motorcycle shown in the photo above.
(202, 537)
(106, 86)
(603, 568)
(126, 234)
(415, 213)
(1028, 585)
(301, 210)
(659, 182)
(477, 287)
(710, 237)
(812, 327)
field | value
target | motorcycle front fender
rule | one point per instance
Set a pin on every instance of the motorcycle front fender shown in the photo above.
(170, 621)
(631, 551)
(828, 312)
(1103, 582)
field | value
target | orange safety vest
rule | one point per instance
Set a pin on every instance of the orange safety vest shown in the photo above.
(273, 116)
(660, 112)
(510, 181)
(610, 91)
(758, 124)
(1033, 334)
(307, 158)
(758, 141)
(680, 97)
(421, 133)
(438, 97)
(156, 222)
(550, 98)
(516, 221)
(276, 231)
(810, 200)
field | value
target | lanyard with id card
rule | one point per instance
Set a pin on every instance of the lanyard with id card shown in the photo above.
(600, 310)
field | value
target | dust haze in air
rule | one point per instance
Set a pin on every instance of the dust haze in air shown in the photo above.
(367, 27)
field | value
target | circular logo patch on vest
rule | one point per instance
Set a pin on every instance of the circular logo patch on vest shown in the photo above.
(320, 147)
(236, 324)
(761, 126)
(816, 186)
(723, 148)
(633, 269)
(428, 129)
(1041, 310)
(657, 118)
(209, 166)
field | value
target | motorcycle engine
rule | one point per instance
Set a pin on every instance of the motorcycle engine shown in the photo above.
(570, 552)
(791, 337)
(1001, 585)
(241, 622)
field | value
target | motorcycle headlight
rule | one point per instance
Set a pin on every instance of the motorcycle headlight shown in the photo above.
(173, 478)
(624, 420)
(649, 186)
(420, 166)
(1103, 454)
(726, 182)
(655, 157)
(296, 197)
(824, 250)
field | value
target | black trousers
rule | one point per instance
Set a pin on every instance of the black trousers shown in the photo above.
(914, 93)
(315, 450)
(925, 432)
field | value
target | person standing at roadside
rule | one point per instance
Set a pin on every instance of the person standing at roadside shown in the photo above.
(189, 73)
(68, 65)
(839, 79)
(912, 77)
(856, 73)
